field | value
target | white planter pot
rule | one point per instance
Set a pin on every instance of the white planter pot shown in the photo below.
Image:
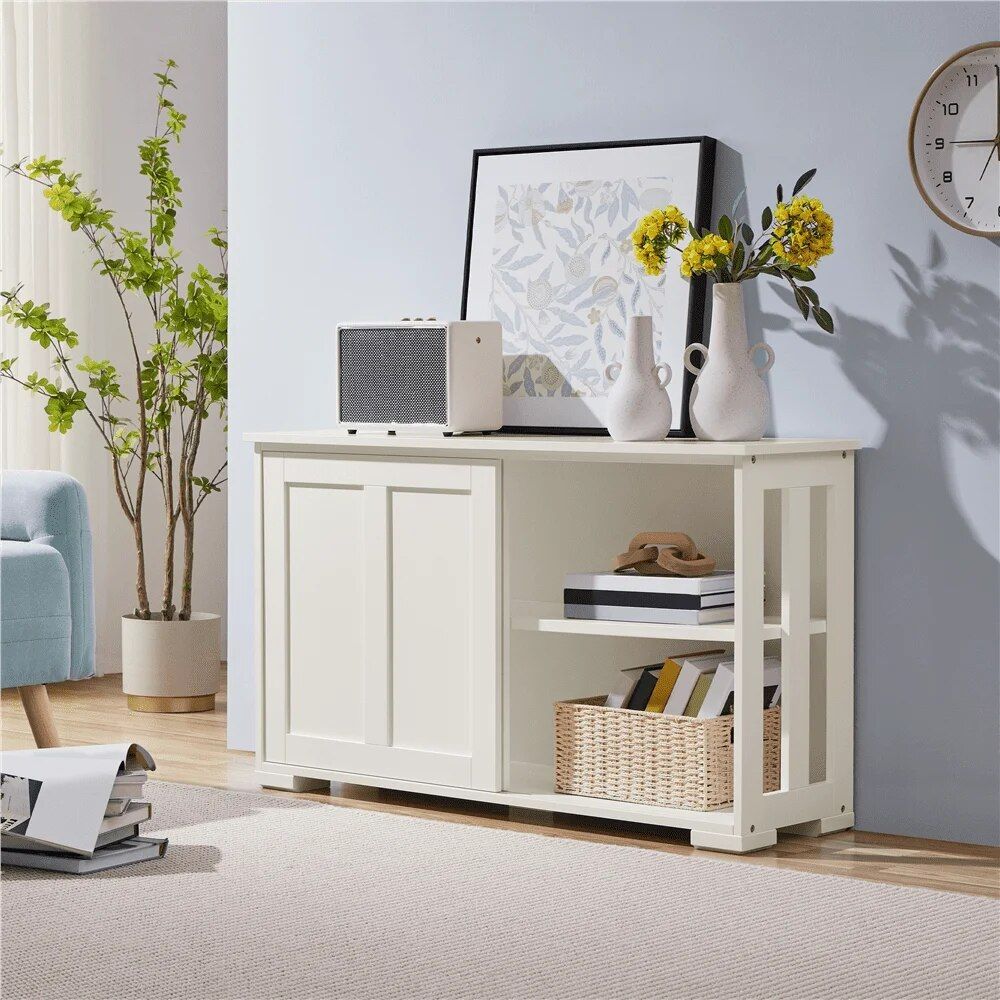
(171, 666)
(729, 400)
(638, 405)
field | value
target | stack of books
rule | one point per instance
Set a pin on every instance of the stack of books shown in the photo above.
(699, 685)
(75, 809)
(662, 600)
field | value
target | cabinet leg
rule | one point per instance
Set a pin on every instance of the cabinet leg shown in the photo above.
(290, 782)
(820, 827)
(734, 843)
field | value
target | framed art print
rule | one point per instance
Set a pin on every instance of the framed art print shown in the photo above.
(549, 256)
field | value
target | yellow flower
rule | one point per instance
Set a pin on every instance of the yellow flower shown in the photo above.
(704, 255)
(804, 233)
(655, 233)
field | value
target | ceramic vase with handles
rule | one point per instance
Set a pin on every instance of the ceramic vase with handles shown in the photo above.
(729, 400)
(638, 405)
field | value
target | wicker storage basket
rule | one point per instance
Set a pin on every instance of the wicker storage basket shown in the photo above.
(659, 760)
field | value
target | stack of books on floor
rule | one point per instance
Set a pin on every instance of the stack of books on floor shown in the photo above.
(75, 809)
(699, 685)
(662, 600)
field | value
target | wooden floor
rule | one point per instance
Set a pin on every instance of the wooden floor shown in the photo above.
(192, 749)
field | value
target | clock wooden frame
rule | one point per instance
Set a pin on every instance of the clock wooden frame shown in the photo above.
(951, 60)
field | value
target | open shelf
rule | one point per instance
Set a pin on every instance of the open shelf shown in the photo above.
(531, 787)
(529, 616)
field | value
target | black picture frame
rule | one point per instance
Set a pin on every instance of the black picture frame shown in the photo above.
(697, 293)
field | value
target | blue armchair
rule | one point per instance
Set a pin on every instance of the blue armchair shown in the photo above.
(46, 590)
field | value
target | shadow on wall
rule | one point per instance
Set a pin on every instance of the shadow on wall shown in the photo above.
(928, 681)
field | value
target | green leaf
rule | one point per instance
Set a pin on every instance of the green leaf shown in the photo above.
(766, 219)
(803, 181)
(824, 319)
(810, 294)
(693, 231)
(781, 196)
(747, 233)
(726, 228)
(739, 255)
(802, 302)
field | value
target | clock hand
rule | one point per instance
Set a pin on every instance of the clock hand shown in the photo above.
(971, 142)
(995, 148)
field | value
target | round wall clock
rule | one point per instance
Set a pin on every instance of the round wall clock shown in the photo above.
(955, 140)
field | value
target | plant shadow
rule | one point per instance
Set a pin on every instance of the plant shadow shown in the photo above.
(928, 630)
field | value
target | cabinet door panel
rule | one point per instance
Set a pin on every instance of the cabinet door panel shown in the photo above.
(325, 634)
(381, 612)
(431, 627)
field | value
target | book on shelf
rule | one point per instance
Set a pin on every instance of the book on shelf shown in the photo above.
(653, 616)
(642, 599)
(713, 583)
(698, 693)
(669, 673)
(721, 696)
(627, 681)
(62, 806)
(692, 668)
(644, 687)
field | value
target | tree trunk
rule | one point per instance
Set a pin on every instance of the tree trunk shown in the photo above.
(185, 614)
(142, 611)
(168, 568)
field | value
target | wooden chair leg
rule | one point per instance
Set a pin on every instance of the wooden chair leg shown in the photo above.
(38, 709)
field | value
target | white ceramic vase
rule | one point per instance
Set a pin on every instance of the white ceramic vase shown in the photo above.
(171, 666)
(729, 400)
(638, 405)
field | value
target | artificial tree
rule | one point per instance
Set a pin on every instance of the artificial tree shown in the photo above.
(176, 381)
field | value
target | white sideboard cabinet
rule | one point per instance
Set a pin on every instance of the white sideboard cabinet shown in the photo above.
(410, 632)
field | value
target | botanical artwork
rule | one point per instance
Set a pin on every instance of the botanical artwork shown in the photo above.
(565, 281)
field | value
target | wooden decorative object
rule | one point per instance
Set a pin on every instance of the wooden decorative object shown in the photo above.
(653, 759)
(664, 553)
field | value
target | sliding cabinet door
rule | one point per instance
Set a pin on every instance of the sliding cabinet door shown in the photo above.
(381, 612)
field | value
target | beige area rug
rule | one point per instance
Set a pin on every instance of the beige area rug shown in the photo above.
(268, 897)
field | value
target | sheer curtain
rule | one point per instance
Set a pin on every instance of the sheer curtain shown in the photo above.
(29, 238)
(44, 86)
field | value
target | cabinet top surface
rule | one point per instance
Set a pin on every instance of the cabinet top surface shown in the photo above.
(543, 446)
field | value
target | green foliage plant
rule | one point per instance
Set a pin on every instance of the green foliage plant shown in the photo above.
(151, 415)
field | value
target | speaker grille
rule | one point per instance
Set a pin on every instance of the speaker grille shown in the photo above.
(393, 375)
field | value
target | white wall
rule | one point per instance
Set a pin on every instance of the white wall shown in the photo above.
(102, 57)
(351, 131)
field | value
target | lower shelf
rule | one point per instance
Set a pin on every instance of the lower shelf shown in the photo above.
(527, 793)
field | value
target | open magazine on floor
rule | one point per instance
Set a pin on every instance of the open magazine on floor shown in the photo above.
(61, 805)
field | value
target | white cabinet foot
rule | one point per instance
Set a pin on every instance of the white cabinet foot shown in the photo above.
(290, 782)
(819, 827)
(734, 843)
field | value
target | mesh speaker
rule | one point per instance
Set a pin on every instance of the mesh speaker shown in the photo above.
(394, 375)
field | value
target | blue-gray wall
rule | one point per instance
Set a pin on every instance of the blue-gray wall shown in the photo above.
(350, 139)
